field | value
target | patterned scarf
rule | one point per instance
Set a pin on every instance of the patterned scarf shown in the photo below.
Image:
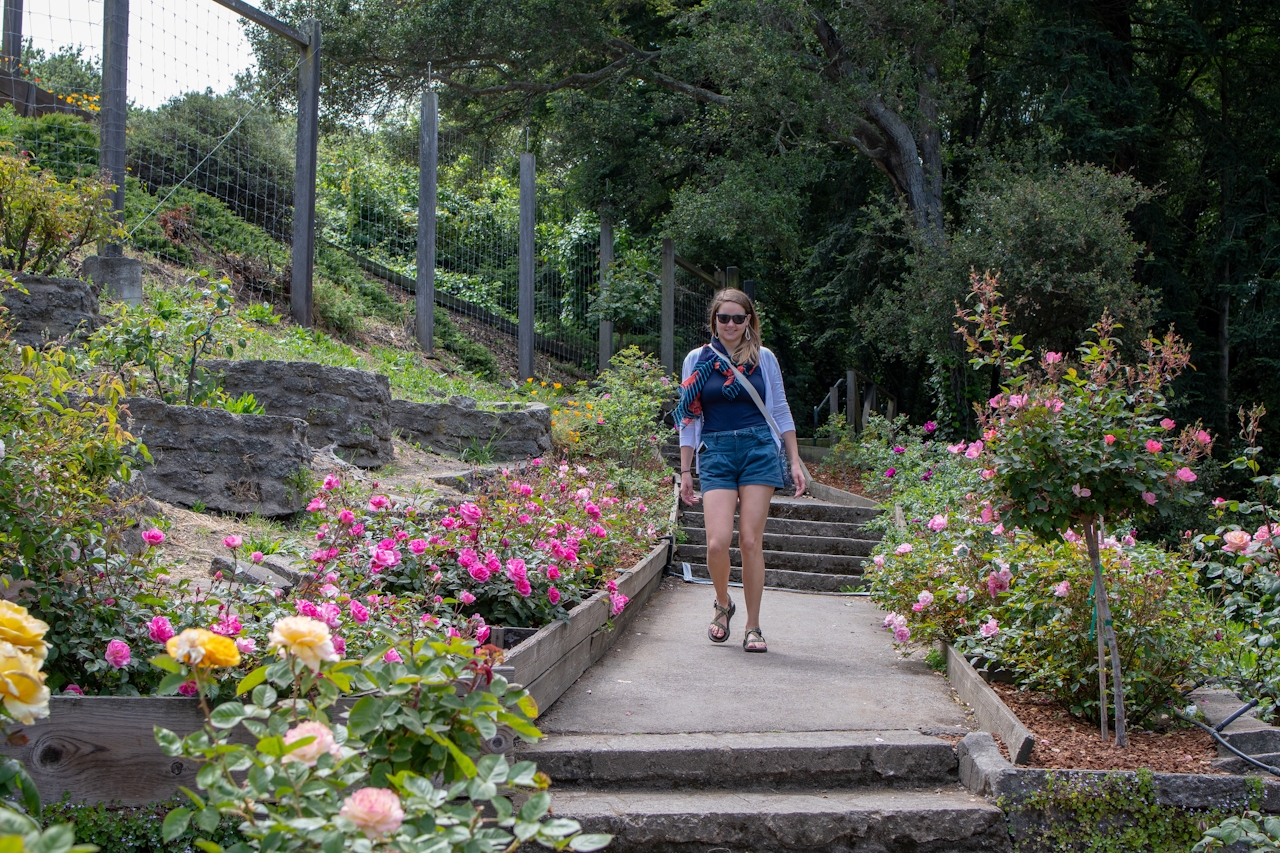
(712, 360)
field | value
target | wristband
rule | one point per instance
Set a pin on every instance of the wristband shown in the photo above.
(687, 471)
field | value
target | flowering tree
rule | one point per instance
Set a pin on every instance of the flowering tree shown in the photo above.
(1073, 445)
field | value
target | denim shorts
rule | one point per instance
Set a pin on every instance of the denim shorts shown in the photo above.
(740, 457)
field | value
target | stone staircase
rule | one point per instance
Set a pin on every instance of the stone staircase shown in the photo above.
(809, 545)
(769, 792)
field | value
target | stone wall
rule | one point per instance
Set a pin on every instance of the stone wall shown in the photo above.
(230, 463)
(51, 308)
(347, 408)
(510, 430)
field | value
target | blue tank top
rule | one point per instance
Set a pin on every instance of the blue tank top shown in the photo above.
(721, 412)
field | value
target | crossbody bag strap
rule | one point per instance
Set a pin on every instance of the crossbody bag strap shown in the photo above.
(755, 395)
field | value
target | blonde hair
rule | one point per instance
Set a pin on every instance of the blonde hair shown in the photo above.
(748, 349)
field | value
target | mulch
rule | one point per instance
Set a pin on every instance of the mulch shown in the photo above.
(1065, 742)
(848, 479)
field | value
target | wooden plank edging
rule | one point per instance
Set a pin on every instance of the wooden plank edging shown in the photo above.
(992, 714)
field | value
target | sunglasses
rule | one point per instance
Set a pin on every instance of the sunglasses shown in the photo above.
(735, 319)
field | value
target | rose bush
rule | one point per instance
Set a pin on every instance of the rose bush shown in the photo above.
(404, 772)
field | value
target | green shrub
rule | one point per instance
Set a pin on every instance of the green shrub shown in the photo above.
(64, 144)
(44, 219)
(623, 409)
(136, 829)
(473, 355)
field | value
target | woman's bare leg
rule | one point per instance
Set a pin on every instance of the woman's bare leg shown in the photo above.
(753, 512)
(718, 507)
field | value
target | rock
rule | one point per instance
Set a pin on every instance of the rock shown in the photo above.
(350, 409)
(117, 278)
(52, 308)
(248, 573)
(515, 432)
(230, 463)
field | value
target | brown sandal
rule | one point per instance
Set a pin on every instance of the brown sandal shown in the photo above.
(761, 645)
(727, 613)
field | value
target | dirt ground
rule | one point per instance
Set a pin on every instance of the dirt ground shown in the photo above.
(1064, 742)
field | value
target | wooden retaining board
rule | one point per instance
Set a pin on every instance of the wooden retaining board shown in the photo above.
(992, 714)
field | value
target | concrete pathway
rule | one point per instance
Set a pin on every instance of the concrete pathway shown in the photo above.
(830, 667)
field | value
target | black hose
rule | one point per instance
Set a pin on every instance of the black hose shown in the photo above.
(1275, 771)
(1249, 706)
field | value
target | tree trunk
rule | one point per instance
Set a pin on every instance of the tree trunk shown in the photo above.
(1224, 355)
(1106, 630)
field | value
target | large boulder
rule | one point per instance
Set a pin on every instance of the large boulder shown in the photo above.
(51, 308)
(350, 409)
(230, 463)
(508, 430)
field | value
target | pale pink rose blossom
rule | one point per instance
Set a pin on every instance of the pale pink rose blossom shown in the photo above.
(1167, 424)
(1186, 475)
(233, 542)
(1017, 401)
(1204, 437)
(1061, 590)
(904, 548)
(152, 537)
(309, 753)
(1154, 446)
(1052, 357)
(990, 628)
(1236, 541)
(1149, 497)
(974, 451)
(246, 645)
(878, 560)
(938, 523)
(374, 811)
(1080, 492)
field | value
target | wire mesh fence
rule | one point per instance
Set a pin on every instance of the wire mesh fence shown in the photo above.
(211, 171)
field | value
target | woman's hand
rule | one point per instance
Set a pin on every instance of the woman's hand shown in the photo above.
(797, 475)
(686, 489)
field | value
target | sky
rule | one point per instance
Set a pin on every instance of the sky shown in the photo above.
(175, 46)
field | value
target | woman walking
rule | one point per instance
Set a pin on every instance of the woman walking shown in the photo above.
(734, 439)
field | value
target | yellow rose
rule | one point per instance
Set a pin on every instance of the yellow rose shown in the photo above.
(305, 638)
(202, 648)
(22, 684)
(23, 630)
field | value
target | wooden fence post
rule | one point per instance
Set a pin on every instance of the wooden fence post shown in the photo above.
(115, 107)
(606, 261)
(528, 198)
(668, 308)
(304, 177)
(12, 35)
(425, 286)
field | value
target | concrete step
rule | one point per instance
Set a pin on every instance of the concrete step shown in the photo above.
(838, 564)
(800, 544)
(750, 760)
(831, 821)
(784, 579)
(796, 527)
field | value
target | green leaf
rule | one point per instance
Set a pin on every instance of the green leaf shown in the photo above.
(208, 819)
(169, 742)
(536, 806)
(465, 763)
(55, 839)
(175, 823)
(166, 663)
(251, 681)
(273, 746)
(170, 683)
(365, 716)
(227, 715)
(208, 846)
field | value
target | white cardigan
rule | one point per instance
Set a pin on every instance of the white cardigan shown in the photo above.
(775, 399)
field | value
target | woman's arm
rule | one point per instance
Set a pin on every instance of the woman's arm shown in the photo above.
(782, 416)
(688, 440)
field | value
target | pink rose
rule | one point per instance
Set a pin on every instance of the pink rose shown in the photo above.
(1154, 446)
(938, 523)
(1186, 475)
(988, 474)
(418, 546)
(466, 597)
(1236, 541)
(1061, 590)
(470, 513)
(233, 542)
(187, 688)
(339, 645)
(1080, 491)
(378, 502)
(617, 601)
(118, 654)
(523, 586)
(901, 634)
(346, 517)
(1204, 437)
(516, 568)
(316, 505)
(374, 811)
(478, 572)
(990, 628)
(956, 448)
(974, 451)
(553, 573)
(904, 548)
(331, 482)
(1052, 357)
(257, 556)
(1017, 401)
(878, 560)
(553, 595)
(322, 742)
(1150, 498)
(962, 594)
(228, 626)
(359, 613)
(160, 629)
(892, 472)
(73, 689)
(1109, 439)
(1167, 424)
(152, 537)
(392, 656)
(246, 645)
